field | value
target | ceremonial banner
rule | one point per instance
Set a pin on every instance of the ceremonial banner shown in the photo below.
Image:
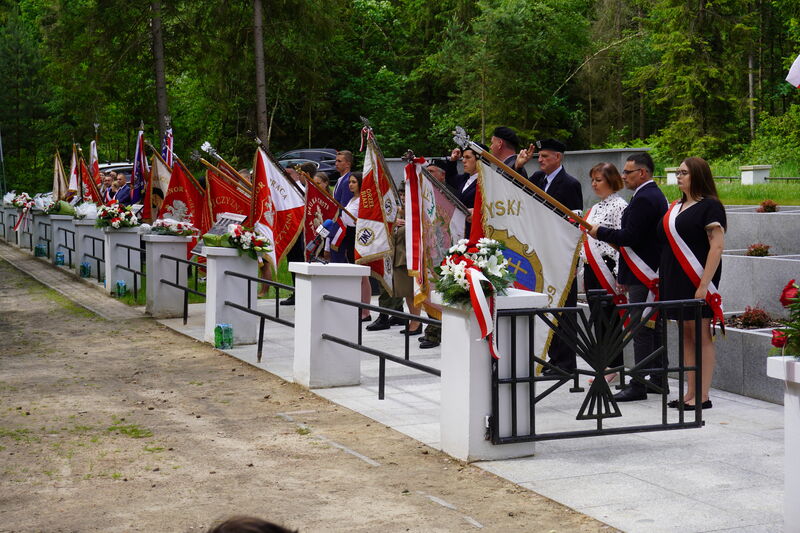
(140, 178)
(94, 163)
(59, 179)
(185, 201)
(167, 153)
(160, 173)
(90, 190)
(378, 205)
(434, 223)
(279, 206)
(72, 183)
(794, 73)
(225, 198)
(319, 207)
(541, 246)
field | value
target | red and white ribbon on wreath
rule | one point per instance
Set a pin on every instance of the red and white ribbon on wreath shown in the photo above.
(413, 209)
(646, 275)
(689, 262)
(23, 217)
(485, 311)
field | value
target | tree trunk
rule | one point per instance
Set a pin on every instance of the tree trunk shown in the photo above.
(158, 57)
(751, 97)
(261, 86)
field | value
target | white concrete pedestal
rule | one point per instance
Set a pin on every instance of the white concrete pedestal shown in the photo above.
(117, 256)
(11, 214)
(221, 287)
(60, 239)
(164, 301)
(788, 370)
(466, 393)
(319, 363)
(85, 228)
(754, 174)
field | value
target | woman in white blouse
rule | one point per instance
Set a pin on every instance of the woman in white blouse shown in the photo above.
(606, 181)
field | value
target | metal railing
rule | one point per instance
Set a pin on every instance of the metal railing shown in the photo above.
(128, 268)
(67, 233)
(97, 258)
(14, 218)
(383, 356)
(186, 290)
(263, 317)
(27, 232)
(596, 339)
(48, 235)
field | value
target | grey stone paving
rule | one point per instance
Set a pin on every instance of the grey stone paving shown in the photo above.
(68, 283)
(726, 476)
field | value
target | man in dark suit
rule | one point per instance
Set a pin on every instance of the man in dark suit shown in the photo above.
(638, 234)
(555, 181)
(504, 147)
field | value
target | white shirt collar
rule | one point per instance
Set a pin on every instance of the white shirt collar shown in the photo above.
(550, 177)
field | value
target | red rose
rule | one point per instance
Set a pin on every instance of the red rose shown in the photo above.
(789, 293)
(472, 250)
(779, 338)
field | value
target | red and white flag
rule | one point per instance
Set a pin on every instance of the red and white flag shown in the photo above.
(94, 163)
(225, 198)
(377, 211)
(90, 191)
(160, 173)
(794, 73)
(185, 201)
(320, 206)
(279, 206)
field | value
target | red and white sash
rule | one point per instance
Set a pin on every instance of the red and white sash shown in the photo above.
(646, 275)
(689, 262)
(600, 269)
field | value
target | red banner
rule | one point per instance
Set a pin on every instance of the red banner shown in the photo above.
(319, 207)
(225, 198)
(90, 191)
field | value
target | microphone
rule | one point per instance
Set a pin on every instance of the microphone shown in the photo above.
(321, 234)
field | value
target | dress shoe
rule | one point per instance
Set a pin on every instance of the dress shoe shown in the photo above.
(675, 404)
(288, 301)
(630, 394)
(411, 333)
(367, 319)
(425, 344)
(654, 383)
(381, 323)
(397, 321)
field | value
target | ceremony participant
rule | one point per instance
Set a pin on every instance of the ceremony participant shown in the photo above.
(322, 179)
(504, 147)
(402, 283)
(108, 189)
(342, 194)
(465, 184)
(348, 247)
(637, 237)
(555, 181)
(693, 232)
(123, 193)
(606, 181)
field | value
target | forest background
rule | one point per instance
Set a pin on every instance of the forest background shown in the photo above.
(685, 77)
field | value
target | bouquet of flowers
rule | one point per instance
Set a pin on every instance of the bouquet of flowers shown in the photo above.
(116, 216)
(244, 239)
(486, 256)
(168, 226)
(43, 202)
(22, 201)
(60, 208)
(86, 210)
(787, 338)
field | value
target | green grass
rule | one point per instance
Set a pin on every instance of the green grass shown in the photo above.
(134, 431)
(738, 194)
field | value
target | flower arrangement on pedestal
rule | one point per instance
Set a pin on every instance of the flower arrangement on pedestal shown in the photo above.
(116, 216)
(168, 226)
(22, 201)
(243, 239)
(9, 197)
(60, 207)
(86, 211)
(473, 273)
(787, 338)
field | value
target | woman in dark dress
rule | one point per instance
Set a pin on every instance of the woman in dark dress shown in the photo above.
(695, 224)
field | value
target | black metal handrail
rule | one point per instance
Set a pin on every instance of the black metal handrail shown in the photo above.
(97, 259)
(597, 347)
(29, 234)
(382, 356)
(136, 273)
(186, 290)
(262, 316)
(14, 218)
(68, 232)
(48, 235)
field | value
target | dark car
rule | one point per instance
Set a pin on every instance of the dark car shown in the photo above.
(325, 158)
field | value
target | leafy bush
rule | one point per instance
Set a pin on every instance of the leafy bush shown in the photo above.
(758, 249)
(768, 206)
(754, 317)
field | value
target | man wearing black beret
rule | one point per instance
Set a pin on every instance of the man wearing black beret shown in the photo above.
(504, 147)
(555, 181)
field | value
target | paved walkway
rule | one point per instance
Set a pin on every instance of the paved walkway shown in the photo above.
(726, 476)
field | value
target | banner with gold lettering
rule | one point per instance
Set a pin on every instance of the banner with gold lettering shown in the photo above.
(319, 207)
(226, 198)
(185, 201)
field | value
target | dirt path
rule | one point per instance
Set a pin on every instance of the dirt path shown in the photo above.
(127, 426)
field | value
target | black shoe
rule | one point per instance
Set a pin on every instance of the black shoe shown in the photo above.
(381, 323)
(288, 301)
(630, 394)
(396, 321)
(655, 385)
(687, 407)
(366, 319)
(425, 344)
(417, 331)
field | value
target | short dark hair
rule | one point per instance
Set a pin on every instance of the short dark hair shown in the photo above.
(158, 192)
(643, 159)
(610, 173)
(309, 167)
(701, 182)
